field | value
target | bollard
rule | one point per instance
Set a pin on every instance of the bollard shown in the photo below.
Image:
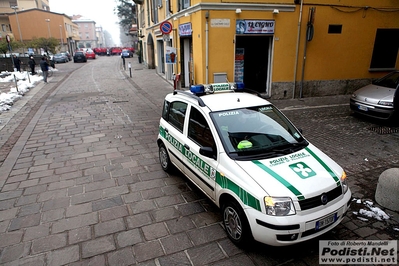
(387, 192)
(16, 82)
(130, 68)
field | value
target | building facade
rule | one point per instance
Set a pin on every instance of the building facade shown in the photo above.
(36, 23)
(282, 49)
(24, 20)
(13, 6)
(87, 32)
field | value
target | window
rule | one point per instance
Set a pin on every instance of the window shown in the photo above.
(183, 4)
(177, 114)
(334, 29)
(385, 50)
(199, 131)
(165, 110)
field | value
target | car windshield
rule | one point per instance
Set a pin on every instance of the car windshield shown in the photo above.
(256, 133)
(390, 81)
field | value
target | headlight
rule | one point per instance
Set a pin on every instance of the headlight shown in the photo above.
(279, 206)
(385, 103)
(344, 182)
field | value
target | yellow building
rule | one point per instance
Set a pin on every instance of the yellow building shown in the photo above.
(282, 49)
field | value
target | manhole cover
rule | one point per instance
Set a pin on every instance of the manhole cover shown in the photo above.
(384, 130)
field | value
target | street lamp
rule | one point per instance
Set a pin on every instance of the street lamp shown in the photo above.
(16, 16)
(48, 26)
(62, 39)
(19, 28)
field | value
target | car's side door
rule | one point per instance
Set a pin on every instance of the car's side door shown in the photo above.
(199, 168)
(171, 129)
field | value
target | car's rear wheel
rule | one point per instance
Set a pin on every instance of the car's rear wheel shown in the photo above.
(164, 158)
(236, 224)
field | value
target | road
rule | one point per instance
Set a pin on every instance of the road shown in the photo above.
(81, 183)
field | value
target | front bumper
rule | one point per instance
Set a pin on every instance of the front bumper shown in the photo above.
(371, 110)
(289, 230)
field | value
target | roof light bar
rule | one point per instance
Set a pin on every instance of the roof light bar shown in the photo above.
(216, 88)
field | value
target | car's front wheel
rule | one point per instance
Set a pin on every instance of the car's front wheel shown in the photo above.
(236, 224)
(164, 158)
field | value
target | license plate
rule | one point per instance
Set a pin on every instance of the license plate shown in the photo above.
(326, 221)
(363, 108)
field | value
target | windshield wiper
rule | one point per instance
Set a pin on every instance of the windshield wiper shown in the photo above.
(289, 148)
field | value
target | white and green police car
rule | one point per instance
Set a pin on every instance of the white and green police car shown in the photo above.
(271, 184)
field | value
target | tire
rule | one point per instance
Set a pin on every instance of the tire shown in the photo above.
(164, 159)
(236, 224)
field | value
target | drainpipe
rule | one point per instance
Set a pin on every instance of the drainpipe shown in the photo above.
(297, 49)
(206, 46)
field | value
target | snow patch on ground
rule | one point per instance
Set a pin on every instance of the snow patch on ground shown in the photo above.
(370, 211)
(24, 82)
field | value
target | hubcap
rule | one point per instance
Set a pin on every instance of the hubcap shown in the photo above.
(232, 223)
(163, 157)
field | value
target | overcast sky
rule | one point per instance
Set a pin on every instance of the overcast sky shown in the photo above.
(102, 12)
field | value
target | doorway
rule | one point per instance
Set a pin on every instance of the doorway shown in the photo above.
(256, 51)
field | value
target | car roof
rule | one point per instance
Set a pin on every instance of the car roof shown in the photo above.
(223, 101)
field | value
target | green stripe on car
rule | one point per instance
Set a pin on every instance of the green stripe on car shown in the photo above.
(328, 169)
(206, 169)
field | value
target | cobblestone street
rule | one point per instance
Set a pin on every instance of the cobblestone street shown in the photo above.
(81, 182)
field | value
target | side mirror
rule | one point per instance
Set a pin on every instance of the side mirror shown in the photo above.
(208, 152)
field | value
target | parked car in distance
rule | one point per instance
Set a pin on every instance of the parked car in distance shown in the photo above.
(116, 51)
(380, 99)
(79, 56)
(67, 54)
(126, 53)
(60, 58)
(90, 55)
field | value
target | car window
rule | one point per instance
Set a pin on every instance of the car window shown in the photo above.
(177, 114)
(389, 81)
(255, 130)
(198, 129)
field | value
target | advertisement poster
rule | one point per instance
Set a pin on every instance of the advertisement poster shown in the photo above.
(170, 55)
(239, 65)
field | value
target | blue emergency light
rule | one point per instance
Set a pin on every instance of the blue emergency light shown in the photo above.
(216, 88)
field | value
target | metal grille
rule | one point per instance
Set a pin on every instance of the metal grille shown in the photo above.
(307, 204)
(384, 130)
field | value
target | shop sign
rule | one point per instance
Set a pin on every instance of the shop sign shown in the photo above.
(220, 23)
(255, 26)
(185, 29)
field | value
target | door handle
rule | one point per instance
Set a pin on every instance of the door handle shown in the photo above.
(186, 147)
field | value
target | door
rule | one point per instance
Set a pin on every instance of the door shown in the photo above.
(256, 52)
(199, 168)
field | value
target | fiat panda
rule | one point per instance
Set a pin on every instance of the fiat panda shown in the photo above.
(271, 184)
